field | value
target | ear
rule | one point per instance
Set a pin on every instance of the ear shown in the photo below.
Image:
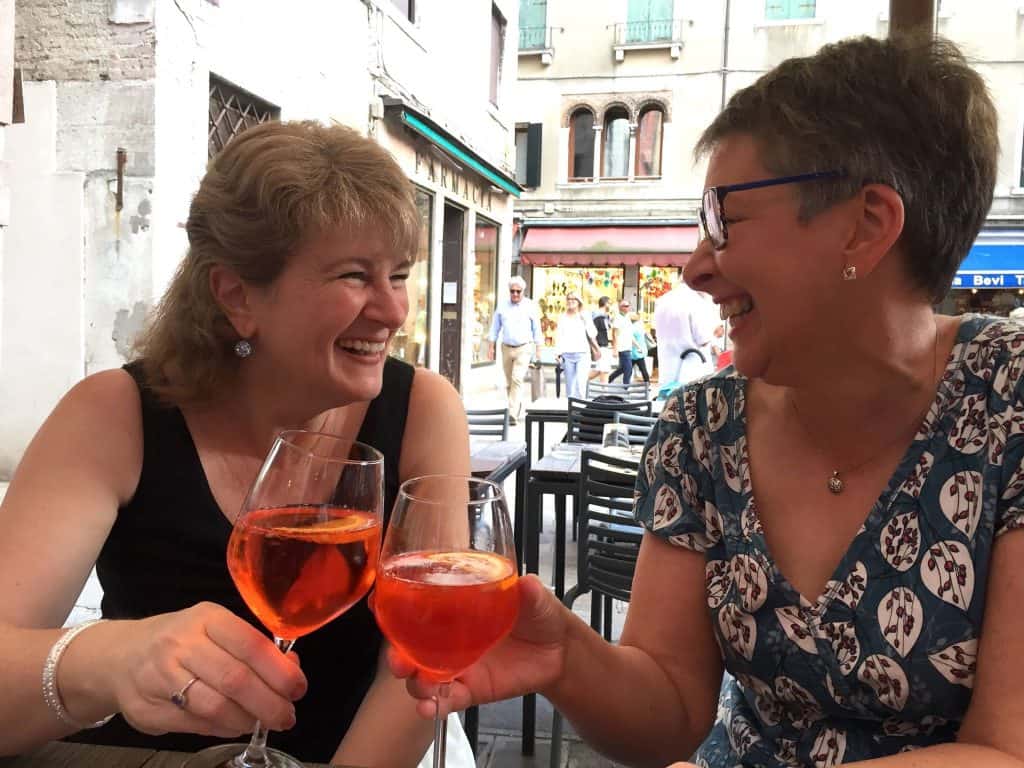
(878, 225)
(233, 297)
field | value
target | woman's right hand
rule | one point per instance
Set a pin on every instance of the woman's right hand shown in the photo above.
(530, 659)
(242, 676)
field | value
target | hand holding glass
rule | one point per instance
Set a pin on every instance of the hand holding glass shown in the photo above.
(303, 551)
(447, 582)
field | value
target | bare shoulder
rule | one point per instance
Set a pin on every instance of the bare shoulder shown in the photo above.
(436, 435)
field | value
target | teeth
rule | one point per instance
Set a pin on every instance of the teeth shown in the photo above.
(365, 347)
(735, 307)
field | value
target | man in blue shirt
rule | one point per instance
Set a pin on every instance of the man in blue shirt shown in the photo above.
(517, 327)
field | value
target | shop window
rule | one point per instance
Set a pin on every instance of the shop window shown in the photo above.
(615, 152)
(485, 287)
(528, 138)
(497, 51)
(777, 10)
(551, 284)
(412, 341)
(648, 142)
(581, 145)
(231, 111)
(649, 21)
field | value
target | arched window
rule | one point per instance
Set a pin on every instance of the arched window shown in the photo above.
(648, 141)
(615, 164)
(581, 144)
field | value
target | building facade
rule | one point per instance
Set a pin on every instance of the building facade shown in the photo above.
(126, 100)
(613, 95)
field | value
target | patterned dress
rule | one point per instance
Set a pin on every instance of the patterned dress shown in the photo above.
(884, 660)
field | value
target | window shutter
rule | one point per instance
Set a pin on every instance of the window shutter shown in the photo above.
(802, 9)
(776, 9)
(533, 146)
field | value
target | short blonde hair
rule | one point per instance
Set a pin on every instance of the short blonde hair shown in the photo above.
(273, 188)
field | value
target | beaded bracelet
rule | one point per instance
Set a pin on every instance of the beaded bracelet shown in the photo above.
(50, 694)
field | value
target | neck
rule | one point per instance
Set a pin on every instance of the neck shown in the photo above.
(884, 370)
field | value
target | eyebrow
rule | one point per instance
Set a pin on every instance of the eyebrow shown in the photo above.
(365, 262)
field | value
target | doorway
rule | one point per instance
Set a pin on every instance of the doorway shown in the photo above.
(451, 292)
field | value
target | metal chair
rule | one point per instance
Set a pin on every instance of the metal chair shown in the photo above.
(488, 423)
(639, 426)
(634, 391)
(586, 418)
(608, 546)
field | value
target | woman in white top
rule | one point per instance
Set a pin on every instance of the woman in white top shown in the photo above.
(572, 345)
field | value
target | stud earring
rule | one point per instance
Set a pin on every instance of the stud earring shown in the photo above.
(849, 272)
(243, 348)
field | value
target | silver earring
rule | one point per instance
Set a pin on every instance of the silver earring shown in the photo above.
(243, 348)
(849, 272)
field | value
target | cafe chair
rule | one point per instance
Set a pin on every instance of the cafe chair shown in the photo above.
(607, 548)
(634, 391)
(488, 424)
(586, 418)
(639, 426)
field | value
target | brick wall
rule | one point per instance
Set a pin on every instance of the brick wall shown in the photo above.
(77, 40)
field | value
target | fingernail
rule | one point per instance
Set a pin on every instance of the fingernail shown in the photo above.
(298, 691)
(289, 722)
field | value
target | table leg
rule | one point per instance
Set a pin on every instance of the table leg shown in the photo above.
(559, 579)
(532, 534)
(520, 512)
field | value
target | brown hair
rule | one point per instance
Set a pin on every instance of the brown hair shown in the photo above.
(906, 112)
(271, 189)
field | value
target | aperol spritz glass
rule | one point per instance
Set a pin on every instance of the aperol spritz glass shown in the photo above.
(303, 550)
(447, 581)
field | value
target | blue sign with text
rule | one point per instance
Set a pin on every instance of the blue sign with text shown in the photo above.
(992, 265)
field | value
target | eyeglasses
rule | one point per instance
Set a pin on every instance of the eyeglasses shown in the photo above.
(514, 290)
(712, 209)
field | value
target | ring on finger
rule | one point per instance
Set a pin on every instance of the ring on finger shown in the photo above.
(180, 697)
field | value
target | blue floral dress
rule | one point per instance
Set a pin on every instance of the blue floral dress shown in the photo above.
(884, 661)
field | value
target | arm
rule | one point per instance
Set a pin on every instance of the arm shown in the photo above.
(387, 731)
(81, 466)
(495, 326)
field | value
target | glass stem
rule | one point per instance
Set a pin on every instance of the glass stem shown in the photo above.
(440, 725)
(255, 755)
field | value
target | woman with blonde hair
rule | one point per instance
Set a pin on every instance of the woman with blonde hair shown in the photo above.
(573, 338)
(301, 238)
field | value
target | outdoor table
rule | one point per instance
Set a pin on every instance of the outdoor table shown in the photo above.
(553, 410)
(496, 460)
(59, 754)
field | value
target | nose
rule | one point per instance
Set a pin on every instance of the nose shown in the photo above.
(700, 268)
(389, 304)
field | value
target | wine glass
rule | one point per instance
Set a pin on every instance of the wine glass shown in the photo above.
(446, 582)
(303, 551)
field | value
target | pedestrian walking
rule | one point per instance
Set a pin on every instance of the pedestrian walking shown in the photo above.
(640, 346)
(622, 343)
(516, 326)
(573, 338)
(602, 323)
(685, 322)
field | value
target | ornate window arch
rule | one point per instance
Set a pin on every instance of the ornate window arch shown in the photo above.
(581, 143)
(615, 143)
(649, 139)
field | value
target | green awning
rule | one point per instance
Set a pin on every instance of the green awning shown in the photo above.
(460, 152)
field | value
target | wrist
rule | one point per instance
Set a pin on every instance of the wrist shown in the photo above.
(85, 676)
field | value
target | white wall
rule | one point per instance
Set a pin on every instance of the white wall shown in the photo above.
(43, 326)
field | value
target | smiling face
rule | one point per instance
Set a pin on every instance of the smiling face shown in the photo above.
(321, 329)
(777, 278)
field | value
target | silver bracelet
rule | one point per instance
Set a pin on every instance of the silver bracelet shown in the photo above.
(50, 693)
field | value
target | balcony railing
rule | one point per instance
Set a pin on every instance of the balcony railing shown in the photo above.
(663, 31)
(534, 38)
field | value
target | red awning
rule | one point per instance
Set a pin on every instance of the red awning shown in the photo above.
(608, 246)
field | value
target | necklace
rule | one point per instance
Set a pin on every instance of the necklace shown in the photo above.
(835, 480)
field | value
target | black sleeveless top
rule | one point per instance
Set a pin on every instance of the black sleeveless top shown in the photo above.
(166, 551)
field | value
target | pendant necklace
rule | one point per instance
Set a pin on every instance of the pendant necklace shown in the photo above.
(835, 480)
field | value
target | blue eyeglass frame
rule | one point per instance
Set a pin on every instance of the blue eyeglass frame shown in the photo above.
(720, 192)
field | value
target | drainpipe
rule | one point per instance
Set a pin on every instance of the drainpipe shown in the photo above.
(725, 51)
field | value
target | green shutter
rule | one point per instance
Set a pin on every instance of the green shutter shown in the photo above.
(776, 9)
(533, 20)
(638, 21)
(801, 9)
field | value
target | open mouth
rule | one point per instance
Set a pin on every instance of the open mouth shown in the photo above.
(732, 309)
(361, 347)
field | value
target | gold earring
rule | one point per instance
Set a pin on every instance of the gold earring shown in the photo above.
(849, 272)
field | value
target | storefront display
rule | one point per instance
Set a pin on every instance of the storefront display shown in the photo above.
(485, 287)
(980, 300)
(551, 284)
(412, 341)
(654, 282)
